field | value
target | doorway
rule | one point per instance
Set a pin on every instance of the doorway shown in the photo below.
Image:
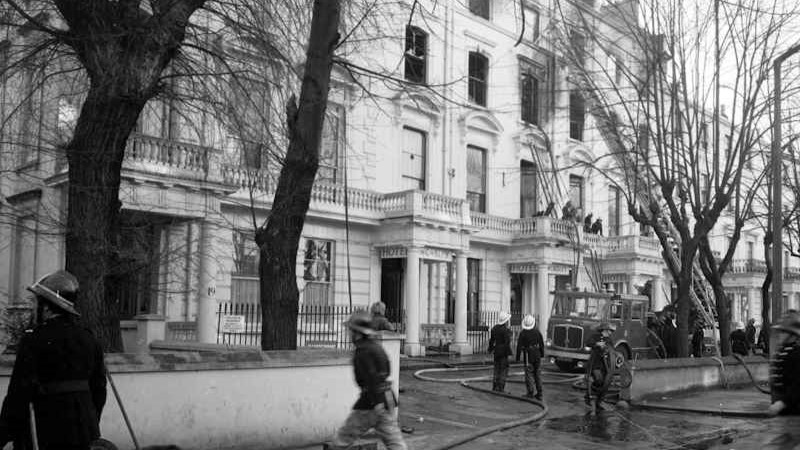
(392, 271)
(517, 284)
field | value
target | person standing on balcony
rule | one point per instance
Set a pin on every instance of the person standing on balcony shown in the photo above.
(376, 407)
(531, 345)
(379, 320)
(597, 227)
(587, 223)
(59, 376)
(568, 212)
(500, 345)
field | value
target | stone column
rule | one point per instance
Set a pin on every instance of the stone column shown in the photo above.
(207, 295)
(461, 346)
(754, 295)
(659, 302)
(411, 289)
(374, 275)
(528, 295)
(542, 301)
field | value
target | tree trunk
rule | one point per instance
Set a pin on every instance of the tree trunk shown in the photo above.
(723, 317)
(278, 240)
(684, 307)
(95, 159)
(766, 300)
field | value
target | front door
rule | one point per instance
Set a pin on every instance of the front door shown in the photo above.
(392, 288)
(517, 282)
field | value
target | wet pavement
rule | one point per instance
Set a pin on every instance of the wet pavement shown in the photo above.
(443, 411)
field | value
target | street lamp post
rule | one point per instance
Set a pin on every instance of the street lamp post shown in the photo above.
(777, 203)
(777, 206)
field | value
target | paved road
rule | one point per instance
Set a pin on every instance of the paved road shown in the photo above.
(443, 411)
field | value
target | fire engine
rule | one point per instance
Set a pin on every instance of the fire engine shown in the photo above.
(571, 331)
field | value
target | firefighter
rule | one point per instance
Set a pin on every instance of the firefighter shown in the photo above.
(377, 405)
(599, 370)
(738, 340)
(500, 345)
(379, 320)
(59, 376)
(786, 369)
(531, 345)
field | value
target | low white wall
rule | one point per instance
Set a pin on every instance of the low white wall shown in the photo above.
(217, 400)
(653, 377)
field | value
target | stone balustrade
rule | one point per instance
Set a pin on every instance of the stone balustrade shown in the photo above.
(167, 157)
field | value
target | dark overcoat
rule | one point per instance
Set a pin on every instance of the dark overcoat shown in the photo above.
(60, 369)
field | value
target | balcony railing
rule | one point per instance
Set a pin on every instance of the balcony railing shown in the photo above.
(633, 244)
(167, 157)
(748, 266)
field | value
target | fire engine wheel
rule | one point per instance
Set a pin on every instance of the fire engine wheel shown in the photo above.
(566, 366)
(623, 355)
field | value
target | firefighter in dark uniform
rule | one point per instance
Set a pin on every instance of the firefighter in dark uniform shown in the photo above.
(599, 369)
(530, 344)
(786, 369)
(500, 344)
(59, 375)
(376, 407)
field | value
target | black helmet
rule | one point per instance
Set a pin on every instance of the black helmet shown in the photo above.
(56, 288)
(361, 321)
(606, 326)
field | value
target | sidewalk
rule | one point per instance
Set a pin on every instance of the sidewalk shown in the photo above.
(442, 360)
(744, 401)
(441, 412)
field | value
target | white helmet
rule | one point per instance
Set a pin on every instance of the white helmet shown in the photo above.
(528, 322)
(504, 317)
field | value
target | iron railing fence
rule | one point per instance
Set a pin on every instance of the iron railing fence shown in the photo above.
(479, 327)
(318, 326)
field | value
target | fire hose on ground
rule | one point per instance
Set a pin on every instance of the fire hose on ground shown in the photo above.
(464, 381)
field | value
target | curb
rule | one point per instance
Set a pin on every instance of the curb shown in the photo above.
(715, 412)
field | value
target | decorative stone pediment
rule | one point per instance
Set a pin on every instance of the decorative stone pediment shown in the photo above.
(480, 122)
(417, 103)
(580, 152)
(531, 137)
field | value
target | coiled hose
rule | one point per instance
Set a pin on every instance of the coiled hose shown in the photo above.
(464, 381)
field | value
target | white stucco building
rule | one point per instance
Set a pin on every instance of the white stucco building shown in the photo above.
(447, 185)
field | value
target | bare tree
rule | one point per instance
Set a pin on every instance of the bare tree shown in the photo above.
(122, 49)
(653, 83)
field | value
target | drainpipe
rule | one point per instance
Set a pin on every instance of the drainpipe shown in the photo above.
(447, 180)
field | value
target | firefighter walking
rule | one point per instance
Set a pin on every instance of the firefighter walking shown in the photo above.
(376, 407)
(530, 344)
(599, 370)
(500, 345)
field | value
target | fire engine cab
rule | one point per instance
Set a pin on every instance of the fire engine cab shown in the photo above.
(572, 329)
